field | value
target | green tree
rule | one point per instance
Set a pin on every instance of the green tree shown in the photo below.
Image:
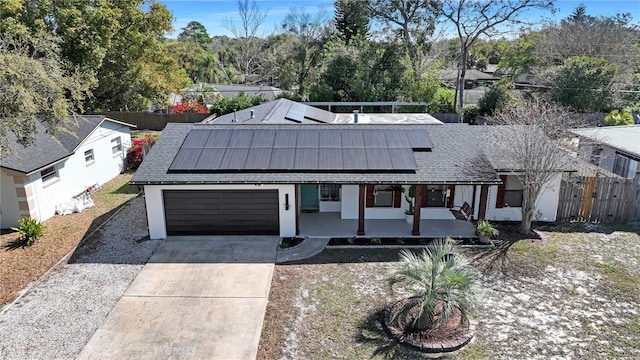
(195, 32)
(443, 101)
(351, 19)
(227, 105)
(499, 96)
(410, 21)
(617, 118)
(583, 83)
(441, 282)
(38, 85)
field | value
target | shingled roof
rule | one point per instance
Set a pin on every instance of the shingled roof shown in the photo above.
(455, 158)
(48, 148)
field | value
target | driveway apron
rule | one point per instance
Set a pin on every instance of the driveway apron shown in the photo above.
(201, 297)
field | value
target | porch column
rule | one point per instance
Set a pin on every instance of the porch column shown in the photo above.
(362, 192)
(416, 210)
(297, 208)
(484, 193)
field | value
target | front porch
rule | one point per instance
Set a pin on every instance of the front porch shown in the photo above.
(329, 225)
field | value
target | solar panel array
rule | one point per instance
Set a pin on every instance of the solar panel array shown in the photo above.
(300, 149)
(299, 112)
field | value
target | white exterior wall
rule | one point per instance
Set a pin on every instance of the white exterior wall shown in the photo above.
(155, 205)
(9, 211)
(546, 204)
(74, 175)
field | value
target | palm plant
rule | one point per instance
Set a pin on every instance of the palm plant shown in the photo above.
(442, 286)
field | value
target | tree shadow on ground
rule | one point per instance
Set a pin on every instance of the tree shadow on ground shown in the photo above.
(372, 332)
(588, 227)
(496, 258)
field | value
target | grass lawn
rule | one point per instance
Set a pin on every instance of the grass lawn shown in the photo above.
(574, 293)
(21, 266)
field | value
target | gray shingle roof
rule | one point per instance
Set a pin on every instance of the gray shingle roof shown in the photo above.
(47, 148)
(455, 158)
(624, 138)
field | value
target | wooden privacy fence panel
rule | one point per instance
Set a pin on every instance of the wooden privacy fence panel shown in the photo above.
(154, 121)
(599, 199)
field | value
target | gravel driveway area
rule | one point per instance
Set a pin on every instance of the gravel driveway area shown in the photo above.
(55, 316)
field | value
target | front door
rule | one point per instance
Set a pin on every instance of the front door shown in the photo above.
(309, 198)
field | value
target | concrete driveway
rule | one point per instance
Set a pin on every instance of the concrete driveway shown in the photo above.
(197, 297)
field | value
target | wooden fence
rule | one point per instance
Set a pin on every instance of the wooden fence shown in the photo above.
(599, 200)
(154, 121)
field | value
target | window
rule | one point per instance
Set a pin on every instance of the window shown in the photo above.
(330, 192)
(510, 192)
(596, 151)
(621, 165)
(88, 157)
(436, 196)
(382, 196)
(116, 145)
(49, 174)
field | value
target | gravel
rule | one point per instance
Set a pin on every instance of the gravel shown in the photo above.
(56, 315)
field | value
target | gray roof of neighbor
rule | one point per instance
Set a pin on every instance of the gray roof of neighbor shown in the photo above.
(281, 111)
(48, 148)
(455, 157)
(625, 138)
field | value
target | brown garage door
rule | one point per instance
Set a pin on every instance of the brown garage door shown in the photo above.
(221, 212)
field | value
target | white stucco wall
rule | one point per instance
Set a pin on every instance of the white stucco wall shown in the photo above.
(546, 204)
(9, 211)
(75, 175)
(155, 205)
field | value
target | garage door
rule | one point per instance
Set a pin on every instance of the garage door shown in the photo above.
(221, 212)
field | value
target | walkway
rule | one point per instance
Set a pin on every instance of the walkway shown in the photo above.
(197, 298)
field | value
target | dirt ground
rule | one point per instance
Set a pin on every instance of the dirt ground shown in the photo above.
(574, 293)
(21, 266)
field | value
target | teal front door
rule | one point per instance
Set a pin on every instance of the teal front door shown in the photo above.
(309, 198)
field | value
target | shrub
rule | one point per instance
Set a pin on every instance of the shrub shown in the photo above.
(189, 107)
(485, 228)
(138, 149)
(30, 229)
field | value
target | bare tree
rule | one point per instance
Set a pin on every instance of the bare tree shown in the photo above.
(474, 19)
(246, 53)
(529, 143)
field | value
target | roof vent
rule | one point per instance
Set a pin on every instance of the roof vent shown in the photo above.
(355, 116)
(235, 117)
(253, 116)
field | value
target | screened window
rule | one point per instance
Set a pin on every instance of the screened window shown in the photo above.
(49, 174)
(330, 192)
(436, 196)
(621, 165)
(88, 157)
(513, 192)
(116, 145)
(382, 196)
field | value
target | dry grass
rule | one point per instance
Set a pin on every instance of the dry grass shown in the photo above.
(21, 266)
(573, 294)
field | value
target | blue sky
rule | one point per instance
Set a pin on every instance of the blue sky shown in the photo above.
(211, 13)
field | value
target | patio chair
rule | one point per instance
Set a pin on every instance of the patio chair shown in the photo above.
(464, 212)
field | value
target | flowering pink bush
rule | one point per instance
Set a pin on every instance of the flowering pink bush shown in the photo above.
(135, 154)
(190, 106)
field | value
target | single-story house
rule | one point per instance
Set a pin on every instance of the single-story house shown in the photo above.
(614, 148)
(56, 167)
(262, 178)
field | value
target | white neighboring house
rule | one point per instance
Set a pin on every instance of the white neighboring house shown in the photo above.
(614, 148)
(34, 179)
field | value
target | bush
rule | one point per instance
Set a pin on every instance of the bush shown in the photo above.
(485, 228)
(138, 149)
(30, 229)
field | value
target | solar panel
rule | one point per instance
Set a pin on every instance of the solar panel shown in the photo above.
(218, 139)
(318, 115)
(378, 158)
(306, 159)
(196, 139)
(210, 158)
(305, 149)
(352, 139)
(296, 112)
(307, 138)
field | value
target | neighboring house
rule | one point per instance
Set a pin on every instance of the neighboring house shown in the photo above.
(614, 148)
(262, 178)
(34, 179)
